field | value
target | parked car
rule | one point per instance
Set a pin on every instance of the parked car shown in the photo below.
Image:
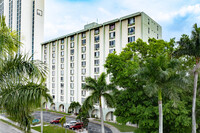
(68, 124)
(78, 125)
(57, 120)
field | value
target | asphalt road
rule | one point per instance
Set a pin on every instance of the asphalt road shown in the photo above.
(47, 117)
(5, 128)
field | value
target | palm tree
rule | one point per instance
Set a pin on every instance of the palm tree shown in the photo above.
(74, 106)
(161, 76)
(191, 47)
(99, 89)
(21, 80)
(62, 120)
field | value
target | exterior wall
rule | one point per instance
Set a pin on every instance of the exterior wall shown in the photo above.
(27, 24)
(121, 39)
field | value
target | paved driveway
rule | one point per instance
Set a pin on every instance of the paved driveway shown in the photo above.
(47, 117)
(5, 128)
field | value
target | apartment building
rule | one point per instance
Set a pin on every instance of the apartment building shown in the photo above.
(26, 17)
(73, 57)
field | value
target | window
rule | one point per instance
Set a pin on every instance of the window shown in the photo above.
(96, 62)
(45, 57)
(96, 38)
(62, 60)
(72, 45)
(96, 46)
(53, 79)
(53, 61)
(96, 70)
(45, 62)
(111, 51)
(72, 38)
(157, 28)
(45, 46)
(83, 63)
(71, 92)
(53, 85)
(149, 30)
(62, 41)
(96, 54)
(96, 31)
(53, 55)
(45, 51)
(62, 92)
(53, 73)
(53, 92)
(131, 30)
(71, 99)
(62, 85)
(53, 49)
(83, 78)
(131, 21)
(72, 85)
(72, 65)
(62, 47)
(54, 44)
(83, 56)
(62, 53)
(157, 36)
(72, 71)
(83, 49)
(82, 100)
(148, 21)
(82, 85)
(71, 58)
(53, 67)
(72, 51)
(72, 78)
(84, 42)
(61, 79)
(62, 66)
(83, 93)
(96, 77)
(112, 35)
(112, 44)
(61, 98)
(62, 72)
(83, 71)
(112, 27)
(83, 35)
(131, 39)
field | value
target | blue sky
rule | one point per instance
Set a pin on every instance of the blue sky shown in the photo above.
(65, 16)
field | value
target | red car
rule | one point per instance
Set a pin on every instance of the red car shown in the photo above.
(76, 126)
(57, 120)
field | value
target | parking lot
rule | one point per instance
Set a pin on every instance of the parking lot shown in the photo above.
(48, 116)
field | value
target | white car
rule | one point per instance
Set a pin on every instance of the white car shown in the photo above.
(67, 125)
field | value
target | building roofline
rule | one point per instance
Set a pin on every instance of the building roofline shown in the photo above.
(97, 26)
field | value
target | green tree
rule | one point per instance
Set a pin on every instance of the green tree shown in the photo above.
(99, 89)
(62, 120)
(74, 106)
(191, 47)
(21, 80)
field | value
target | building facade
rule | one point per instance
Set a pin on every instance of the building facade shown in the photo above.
(26, 17)
(72, 57)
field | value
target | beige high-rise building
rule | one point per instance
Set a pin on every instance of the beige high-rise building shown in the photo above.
(72, 57)
(27, 18)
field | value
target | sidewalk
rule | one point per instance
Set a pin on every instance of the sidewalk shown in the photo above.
(15, 123)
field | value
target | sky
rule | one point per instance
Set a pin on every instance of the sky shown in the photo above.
(176, 17)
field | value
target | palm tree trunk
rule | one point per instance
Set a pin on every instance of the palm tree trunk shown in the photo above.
(160, 111)
(101, 116)
(194, 102)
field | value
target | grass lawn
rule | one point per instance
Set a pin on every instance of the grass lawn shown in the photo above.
(53, 129)
(54, 111)
(121, 128)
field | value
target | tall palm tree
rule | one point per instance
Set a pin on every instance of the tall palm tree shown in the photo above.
(21, 80)
(99, 89)
(161, 76)
(191, 47)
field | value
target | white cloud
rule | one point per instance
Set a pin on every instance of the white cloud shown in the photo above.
(104, 11)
